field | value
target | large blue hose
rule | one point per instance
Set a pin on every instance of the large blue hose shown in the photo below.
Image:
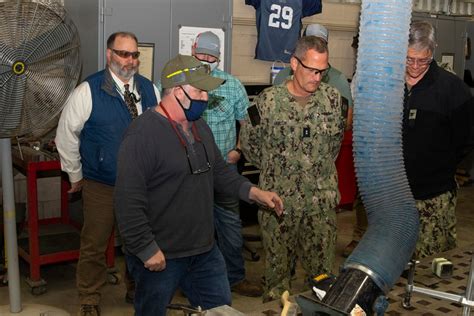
(388, 244)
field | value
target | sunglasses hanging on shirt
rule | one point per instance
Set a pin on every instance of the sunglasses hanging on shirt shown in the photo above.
(131, 94)
(134, 97)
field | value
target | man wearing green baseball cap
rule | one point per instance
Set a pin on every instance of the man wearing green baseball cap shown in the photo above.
(168, 169)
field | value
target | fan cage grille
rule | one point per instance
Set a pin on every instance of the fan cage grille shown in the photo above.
(40, 36)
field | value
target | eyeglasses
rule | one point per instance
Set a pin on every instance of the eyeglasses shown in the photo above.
(206, 68)
(421, 62)
(316, 71)
(126, 54)
(199, 170)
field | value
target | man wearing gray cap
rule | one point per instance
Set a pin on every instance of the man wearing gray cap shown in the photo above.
(333, 77)
(227, 105)
(168, 169)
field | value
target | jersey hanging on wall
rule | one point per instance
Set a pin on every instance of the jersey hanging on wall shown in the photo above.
(279, 26)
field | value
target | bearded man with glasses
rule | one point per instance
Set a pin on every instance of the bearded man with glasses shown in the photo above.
(169, 167)
(293, 136)
(437, 134)
(89, 132)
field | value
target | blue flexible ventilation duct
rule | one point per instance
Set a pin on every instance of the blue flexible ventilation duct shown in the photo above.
(388, 244)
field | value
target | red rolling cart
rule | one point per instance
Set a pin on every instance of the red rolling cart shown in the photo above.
(51, 240)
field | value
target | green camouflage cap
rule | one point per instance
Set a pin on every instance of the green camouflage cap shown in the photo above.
(183, 70)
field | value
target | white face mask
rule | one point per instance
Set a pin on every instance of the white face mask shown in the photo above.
(211, 65)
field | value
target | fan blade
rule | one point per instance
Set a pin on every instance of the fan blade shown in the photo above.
(44, 92)
(46, 43)
(50, 82)
(4, 70)
(7, 55)
(11, 105)
(56, 54)
(60, 66)
(39, 64)
(36, 30)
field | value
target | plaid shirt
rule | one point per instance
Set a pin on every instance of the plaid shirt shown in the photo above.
(227, 104)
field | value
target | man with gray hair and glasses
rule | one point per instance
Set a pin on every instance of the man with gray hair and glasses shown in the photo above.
(437, 134)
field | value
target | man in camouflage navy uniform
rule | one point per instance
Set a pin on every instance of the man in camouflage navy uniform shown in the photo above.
(293, 137)
(437, 134)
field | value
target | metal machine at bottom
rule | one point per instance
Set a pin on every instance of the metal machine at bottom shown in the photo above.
(352, 287)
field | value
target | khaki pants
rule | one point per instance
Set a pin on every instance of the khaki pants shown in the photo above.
(99, 222)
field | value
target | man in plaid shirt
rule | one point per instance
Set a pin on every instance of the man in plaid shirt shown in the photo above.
(227, 104)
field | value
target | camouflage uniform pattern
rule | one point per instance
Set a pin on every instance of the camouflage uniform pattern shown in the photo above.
(301, 169)
(437, 224)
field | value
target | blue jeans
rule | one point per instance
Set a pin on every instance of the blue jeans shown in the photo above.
(202, 278)
(228, 228)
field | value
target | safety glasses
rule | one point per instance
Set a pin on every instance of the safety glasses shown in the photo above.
(202, 169)
(316, 71)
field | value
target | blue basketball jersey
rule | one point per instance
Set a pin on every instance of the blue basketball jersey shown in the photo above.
(279, 26)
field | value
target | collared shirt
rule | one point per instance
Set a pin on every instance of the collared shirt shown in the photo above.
(120, 86)
(75, 114)
(227, 104)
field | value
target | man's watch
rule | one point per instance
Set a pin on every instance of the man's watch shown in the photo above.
(238, 150)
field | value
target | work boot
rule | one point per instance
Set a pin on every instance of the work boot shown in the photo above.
(89, 310)
(130, 297)
(245, 288)
(349, 248)
(130, 286)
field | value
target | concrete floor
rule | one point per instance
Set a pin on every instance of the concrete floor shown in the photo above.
(61, 277)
